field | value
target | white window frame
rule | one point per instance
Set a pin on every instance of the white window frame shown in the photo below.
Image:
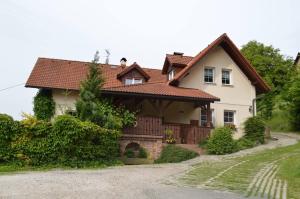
(213, 74)
(230, 76)
(171, 74)
(234, 116)
(131, 81)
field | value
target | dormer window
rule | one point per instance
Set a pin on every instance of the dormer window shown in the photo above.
(130, 81)
(171, 74)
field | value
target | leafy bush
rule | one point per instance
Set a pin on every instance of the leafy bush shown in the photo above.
(68, 141)
(172, 153)
(43, 105)
(221, 142)
(111, 117)
(8, 131)
(74, 140)
(244, 143)
(129, 153)
(32, 146)
(254, 129)
(142, 153)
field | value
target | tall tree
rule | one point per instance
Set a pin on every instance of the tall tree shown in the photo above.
(293, 99)
(86, 105)
(275, 68)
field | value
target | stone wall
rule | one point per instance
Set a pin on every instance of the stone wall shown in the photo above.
(152, 144)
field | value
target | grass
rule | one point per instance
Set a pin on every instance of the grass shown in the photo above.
(136, 161)
(238, 178)
(172, 154)
(7, 168)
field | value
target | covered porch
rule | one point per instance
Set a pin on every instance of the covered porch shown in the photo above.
(179, 112)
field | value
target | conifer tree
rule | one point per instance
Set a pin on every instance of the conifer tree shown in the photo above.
(89, 97)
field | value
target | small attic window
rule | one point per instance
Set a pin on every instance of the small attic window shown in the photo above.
(171, 74)
(130, 81)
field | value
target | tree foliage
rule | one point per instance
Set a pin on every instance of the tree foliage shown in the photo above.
(43, 105)
(91, 107)
(275, 68)
(293, 99)
(89, 95)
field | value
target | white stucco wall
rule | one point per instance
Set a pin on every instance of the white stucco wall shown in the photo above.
(236, 97)
(64, 100)
(177, 112)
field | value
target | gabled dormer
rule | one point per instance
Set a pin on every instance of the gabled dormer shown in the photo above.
(174, 64)
(133, 74)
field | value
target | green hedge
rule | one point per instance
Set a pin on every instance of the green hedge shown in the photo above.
(68, 141)
(172, 154)
(8, 131)
(255, 129)
(221, 142)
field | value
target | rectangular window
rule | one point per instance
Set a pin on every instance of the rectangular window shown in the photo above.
(208, 75)
(226, 77)
(171, 74)
(228, 117)
(203, 117)
(130, 81)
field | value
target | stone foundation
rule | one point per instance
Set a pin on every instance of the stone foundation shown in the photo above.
(152, 144)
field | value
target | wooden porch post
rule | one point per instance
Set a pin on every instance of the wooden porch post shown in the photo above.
(208, 116)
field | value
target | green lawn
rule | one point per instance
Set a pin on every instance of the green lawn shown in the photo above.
(7, 168)
(239, 177)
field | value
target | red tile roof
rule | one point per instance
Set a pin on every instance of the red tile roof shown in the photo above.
(175, 60)
(66, 74)
(235, 54)
(132, 67)
(163, 90)
(179, 59)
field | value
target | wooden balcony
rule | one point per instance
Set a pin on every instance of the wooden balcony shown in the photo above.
(154, 126)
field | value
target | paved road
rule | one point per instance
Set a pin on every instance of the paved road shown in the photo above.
(139, 182)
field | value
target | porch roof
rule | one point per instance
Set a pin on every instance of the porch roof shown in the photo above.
(161, 90)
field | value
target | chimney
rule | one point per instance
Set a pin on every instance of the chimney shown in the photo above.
(123, 62)
(178, 53)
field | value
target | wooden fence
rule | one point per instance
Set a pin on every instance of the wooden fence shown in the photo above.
(183, 133)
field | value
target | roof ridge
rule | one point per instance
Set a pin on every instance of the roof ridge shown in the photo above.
(87, 62)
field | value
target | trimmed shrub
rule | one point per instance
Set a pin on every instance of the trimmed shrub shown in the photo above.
(254, 129)
(8, 131)
(43, 105)
(142, 153)
(244, 143)
(68, 141)
(77, 141)
(221, 142)
(129, 153)
(172, 154)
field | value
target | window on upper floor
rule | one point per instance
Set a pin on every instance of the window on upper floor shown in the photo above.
(130, 81)
(229, 117)
(171, 74)
(209, 75)
(226, 77)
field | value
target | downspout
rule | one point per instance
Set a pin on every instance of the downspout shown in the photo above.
(254, 104)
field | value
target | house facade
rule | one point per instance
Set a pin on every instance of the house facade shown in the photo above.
(189, 95)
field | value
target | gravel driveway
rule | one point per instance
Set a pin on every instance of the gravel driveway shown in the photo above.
(144, 181)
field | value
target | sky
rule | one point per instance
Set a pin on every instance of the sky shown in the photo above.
(141, 31)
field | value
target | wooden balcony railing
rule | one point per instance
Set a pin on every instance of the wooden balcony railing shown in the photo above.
(183, 133)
